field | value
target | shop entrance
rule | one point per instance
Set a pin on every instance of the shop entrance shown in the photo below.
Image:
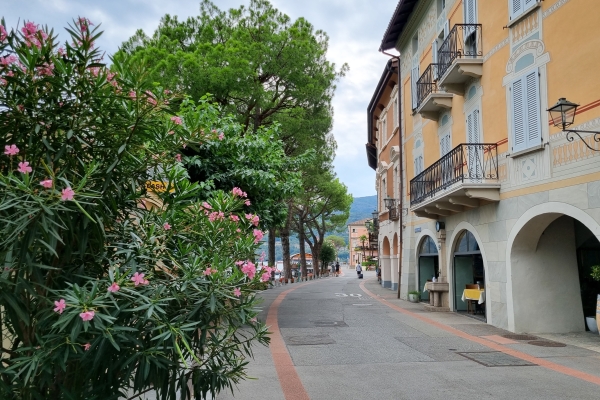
(428, 265)
(469, 274)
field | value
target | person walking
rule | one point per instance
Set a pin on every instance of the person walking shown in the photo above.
(358, 269)
(337, 268)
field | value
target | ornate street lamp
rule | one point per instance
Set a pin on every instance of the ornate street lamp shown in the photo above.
(563, 115)
(389, 203)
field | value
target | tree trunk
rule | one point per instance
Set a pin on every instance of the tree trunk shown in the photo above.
(285, 244)
(271, 247)
(302, 247)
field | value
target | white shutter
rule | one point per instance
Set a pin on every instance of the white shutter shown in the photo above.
(446, 29)
(532, 99)
(470, 11)
(527, 125)
(434, 56)
(529, 3)
(518, 116)
(445, 144)
(516, 8)
(414, 78)
(474, 153)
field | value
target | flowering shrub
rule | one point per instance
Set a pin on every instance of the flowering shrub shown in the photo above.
(108, 290)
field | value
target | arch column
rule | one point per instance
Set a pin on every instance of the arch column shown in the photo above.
(386, 268)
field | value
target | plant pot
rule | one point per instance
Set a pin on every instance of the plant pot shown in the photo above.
(591, 324)
(413, 298)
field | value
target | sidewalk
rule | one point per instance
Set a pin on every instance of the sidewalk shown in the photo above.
(579, 351)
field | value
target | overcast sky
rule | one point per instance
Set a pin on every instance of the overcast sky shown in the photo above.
(355, 28)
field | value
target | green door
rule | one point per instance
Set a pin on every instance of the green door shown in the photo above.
(463, 274)
(426, 273)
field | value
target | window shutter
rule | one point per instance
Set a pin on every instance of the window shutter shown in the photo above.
(414, 78)
(529, 3)
(434, 56)
(445, 144)
(518, 116)
(446, 29)
(470, 12)
(532, 94)
(516, 8)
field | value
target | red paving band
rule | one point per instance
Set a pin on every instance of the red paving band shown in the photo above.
(493, 345)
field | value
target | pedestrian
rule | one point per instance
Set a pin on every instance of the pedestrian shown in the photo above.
(358, 269)
(337, 268)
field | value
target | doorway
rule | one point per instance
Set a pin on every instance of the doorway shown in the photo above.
(468, 270)
(428, 265)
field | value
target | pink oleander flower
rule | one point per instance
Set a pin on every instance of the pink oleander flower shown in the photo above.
(253, 218)
(253, 320)
(24, 167)
(178, 157)
(171, 132)
(29, 29)
(3, 33)
(61, 51)
(114, 287)
(8, 60)
(234, 218)
(249, 269)
(265, 277)
(138, 279)
(207, 206)
(87, 315)
(11, 150)
(3, 82)
(221, 136)
(132, 95)
(60, 306)
(176, 120)
(237, 292)
(166, 226)
(47, 183)
(167, 91)
(86, 346)
(237, 191)
(151, 98)
(258, 235)
(247, 202)
(239, 263)
(208, 271)
(262, 258)
(83, 24)
(67, 194)
(238, 230)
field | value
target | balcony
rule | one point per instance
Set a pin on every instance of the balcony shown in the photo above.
(460, 58)
(457, 181)
(430, 101)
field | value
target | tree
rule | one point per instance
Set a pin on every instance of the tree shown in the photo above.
(261, 67)
(338, 243)
(327, 253)
(109, 288)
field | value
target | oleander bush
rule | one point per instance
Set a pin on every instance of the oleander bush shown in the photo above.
(119, 276)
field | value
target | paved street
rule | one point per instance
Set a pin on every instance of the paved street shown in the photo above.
(336, 338)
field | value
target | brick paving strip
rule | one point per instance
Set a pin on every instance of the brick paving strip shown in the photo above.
(489, 343)
(290, 382)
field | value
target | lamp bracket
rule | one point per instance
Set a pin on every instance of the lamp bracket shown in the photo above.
(570, 137)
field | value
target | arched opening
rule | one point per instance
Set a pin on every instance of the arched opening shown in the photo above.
(551, 262)
(468, 275)
(428, 265)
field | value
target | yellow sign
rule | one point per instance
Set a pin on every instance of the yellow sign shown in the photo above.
(157, 186)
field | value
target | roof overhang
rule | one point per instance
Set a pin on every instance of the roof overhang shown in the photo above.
(397, 24)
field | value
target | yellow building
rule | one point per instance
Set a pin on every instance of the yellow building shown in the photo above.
(486, 189)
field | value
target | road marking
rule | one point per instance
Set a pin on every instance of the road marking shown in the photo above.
(493, 345)
(346, 295)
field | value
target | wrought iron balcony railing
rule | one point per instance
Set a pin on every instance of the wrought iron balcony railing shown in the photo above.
(427, 83)
(466, 163)
(463, 41)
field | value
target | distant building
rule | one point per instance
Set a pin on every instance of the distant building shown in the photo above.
(360, 250)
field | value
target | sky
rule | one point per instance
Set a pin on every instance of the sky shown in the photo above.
(355, 29)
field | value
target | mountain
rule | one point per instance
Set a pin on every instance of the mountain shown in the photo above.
(362, 208)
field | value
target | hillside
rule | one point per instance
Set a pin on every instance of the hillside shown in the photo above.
(361, 208)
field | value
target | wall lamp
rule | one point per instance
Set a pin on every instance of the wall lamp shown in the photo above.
(562, 115)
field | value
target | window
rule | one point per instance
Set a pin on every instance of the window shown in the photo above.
(441, 4)
(414, 77)
(445, 144)
(470, 10)
(383, 131)
(353, 230)
(474, 153)
(519, 7)
(526, 126)
(418, 165)
(395, 109)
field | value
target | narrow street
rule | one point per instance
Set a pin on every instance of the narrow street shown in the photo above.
(336, 338)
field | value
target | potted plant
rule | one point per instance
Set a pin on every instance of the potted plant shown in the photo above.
(590, 320)
(413, 296)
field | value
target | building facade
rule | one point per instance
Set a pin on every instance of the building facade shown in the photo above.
(486, 190)
(359, 248)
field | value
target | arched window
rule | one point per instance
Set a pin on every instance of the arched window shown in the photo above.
(428, 247)
(466, 243)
